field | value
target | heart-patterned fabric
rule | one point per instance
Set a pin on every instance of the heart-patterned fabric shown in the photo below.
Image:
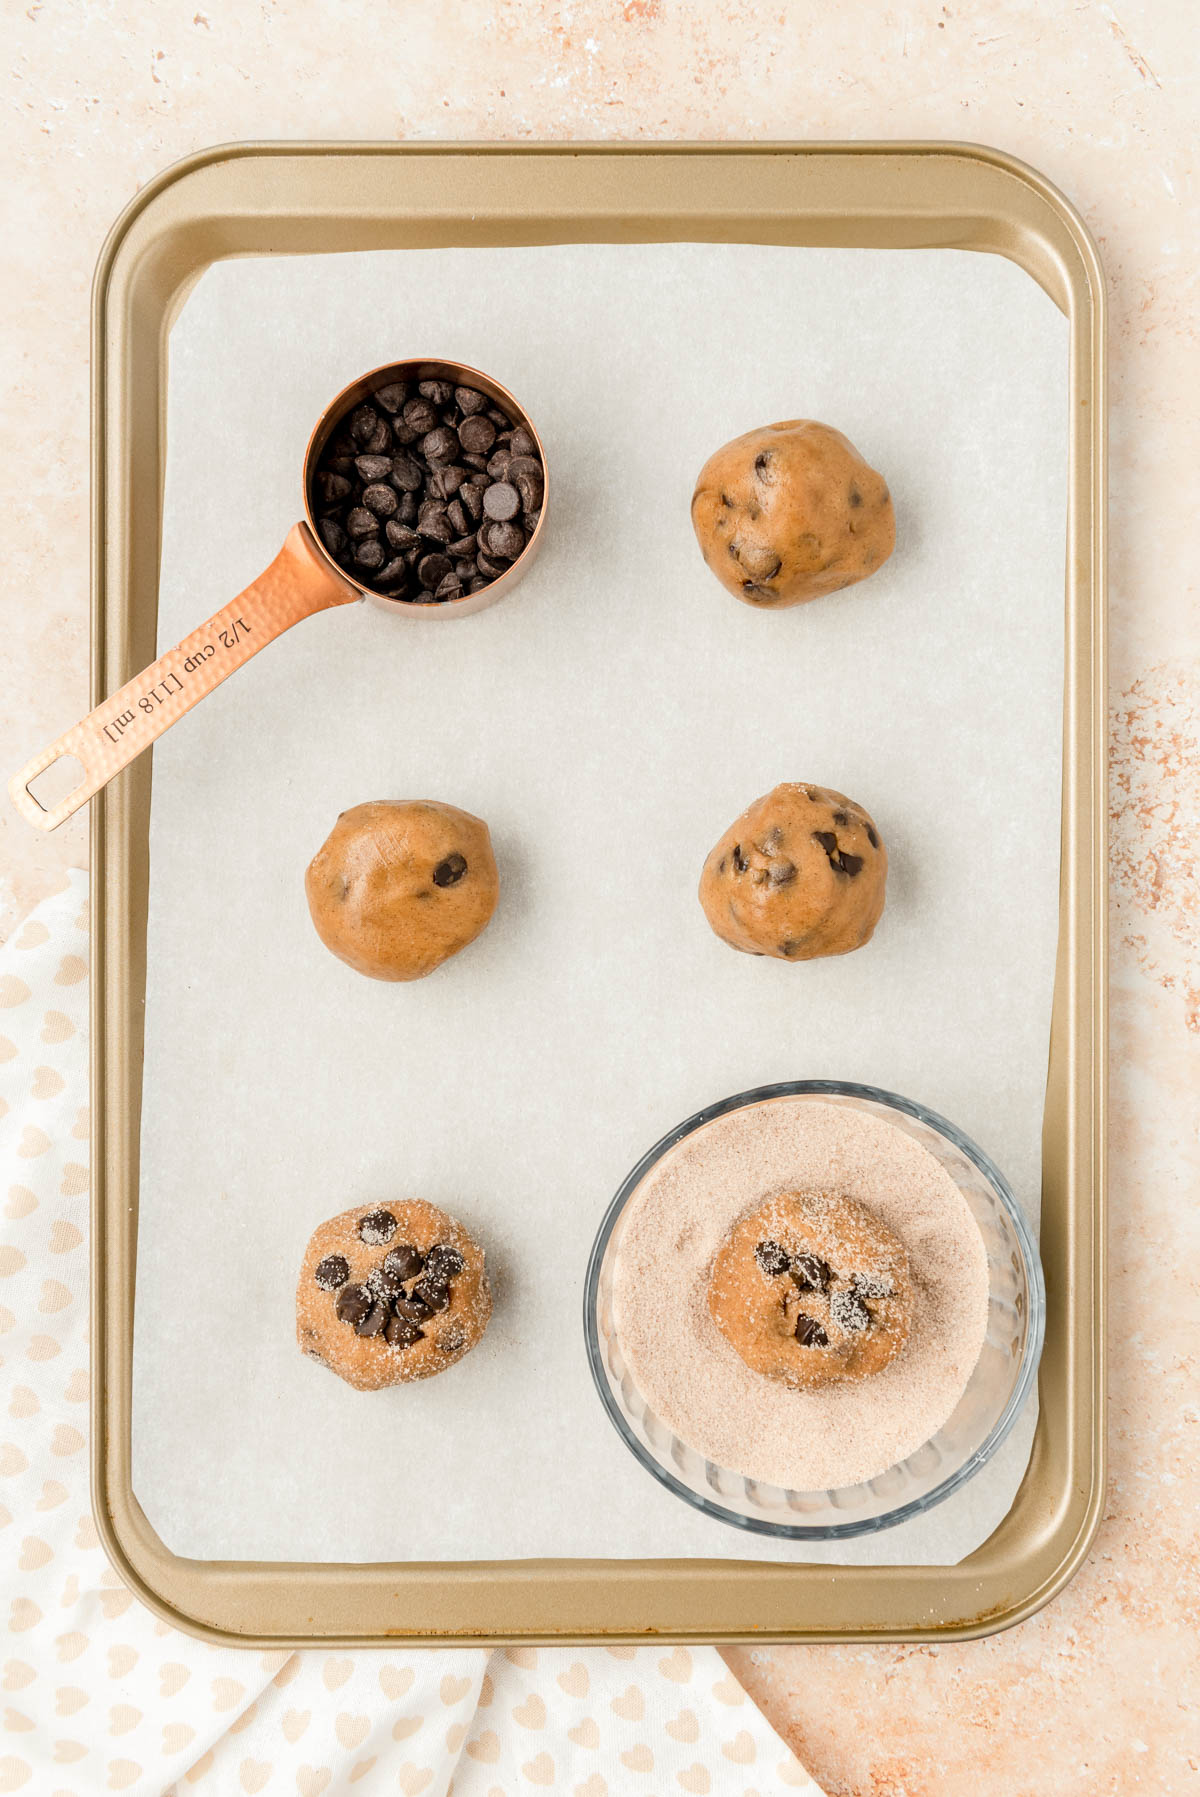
(98, 1695)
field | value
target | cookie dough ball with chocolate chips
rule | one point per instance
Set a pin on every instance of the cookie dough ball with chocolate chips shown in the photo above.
(790, 512)
(391, 1292)
(810, 1289)
(399, 886)
(802, 873)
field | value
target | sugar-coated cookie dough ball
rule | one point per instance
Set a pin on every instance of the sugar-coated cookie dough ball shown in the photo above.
(810, 1289)
(391, 1292)
(400, 885)
(790, 512)
(801, 873)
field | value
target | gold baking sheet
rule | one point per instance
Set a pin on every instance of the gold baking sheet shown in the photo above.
(288, 198)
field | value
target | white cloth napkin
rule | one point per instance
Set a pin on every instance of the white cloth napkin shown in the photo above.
(98, 1696)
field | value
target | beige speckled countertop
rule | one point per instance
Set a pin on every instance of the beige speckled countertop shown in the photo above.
(1098, 1693)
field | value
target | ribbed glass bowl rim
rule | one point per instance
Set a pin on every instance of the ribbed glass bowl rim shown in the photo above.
(1034, 1284)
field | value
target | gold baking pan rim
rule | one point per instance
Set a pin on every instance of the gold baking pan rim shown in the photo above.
(286, 198)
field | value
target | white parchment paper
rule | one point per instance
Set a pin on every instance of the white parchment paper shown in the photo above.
(609, 720)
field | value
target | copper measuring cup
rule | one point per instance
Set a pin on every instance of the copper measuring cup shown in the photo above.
(302, 580)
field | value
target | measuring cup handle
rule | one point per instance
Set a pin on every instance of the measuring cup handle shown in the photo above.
(298, 583)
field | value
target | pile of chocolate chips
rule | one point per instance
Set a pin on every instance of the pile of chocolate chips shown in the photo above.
(398, 1295)
(425, 493)
(810, 1273)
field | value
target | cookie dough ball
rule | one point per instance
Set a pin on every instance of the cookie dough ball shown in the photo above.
(802, 873)
(811, 1289)
(398, 886)
(790, 512)
(391, 1292)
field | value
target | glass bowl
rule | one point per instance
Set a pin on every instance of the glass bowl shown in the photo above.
(986, 1411)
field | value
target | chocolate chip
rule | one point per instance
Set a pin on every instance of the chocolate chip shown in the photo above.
(446, 479)
(809, 1332)
(381, 499)
(444, 1262)
(406, 474)
(839, 860)
(438, 393)
(332, 488)
(401, 536)
(395, 572)
(873, 1285)
(377, 1227)
(491, 569)
(352, 1304)
(432, 1292)
(762, 467)
(451, 1339)
(405, 1262)
(505, 541)
(501, 502)
(432, 570)
(469, 401)
(497, 464)
(364, 421)
(811, 1273)
(450, 871)
(381, 1282)
(376, 1319)
(463, 548)
(436, 526)
(772, 1258)
(332, 535)
(522, 442)
(849, 1312)
(841, 817)
(472, 497)
(740, 863)
(781, 873)
(872, 838)
(440, 444)
(498, 419)
(379, 439)
(450, 587)
(392, 397)
(855, 496)
(370, 554)
(412, 1309)
(419, 415)
(362, 523)
(477, 435)
(331, 1272)
(401, 1333)
(373, 467)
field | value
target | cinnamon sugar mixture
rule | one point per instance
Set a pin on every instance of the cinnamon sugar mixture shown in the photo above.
(688, 1373)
